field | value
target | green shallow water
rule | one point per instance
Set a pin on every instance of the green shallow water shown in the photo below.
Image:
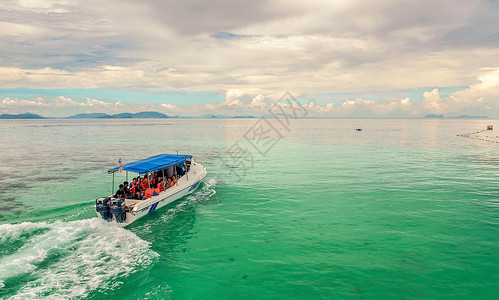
(405, 209)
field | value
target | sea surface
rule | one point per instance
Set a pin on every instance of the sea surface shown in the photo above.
(302, 209)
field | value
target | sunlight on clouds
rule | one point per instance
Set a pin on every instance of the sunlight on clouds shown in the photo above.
(169, 107)
(489, 80)
(257, 103)
(243, 100)
(431, 101)
(14, 29)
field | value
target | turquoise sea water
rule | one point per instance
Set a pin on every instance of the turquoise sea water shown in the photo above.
(405, 209)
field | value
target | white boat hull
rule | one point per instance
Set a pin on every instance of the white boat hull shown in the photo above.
(184, 186)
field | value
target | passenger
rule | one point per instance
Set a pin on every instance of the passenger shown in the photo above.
(144, 183)
(152, 179)
(125, 188)
(131, 187)
(137, 189)
(138, 192)
(160, 185)
(120, 193)
(180, 171)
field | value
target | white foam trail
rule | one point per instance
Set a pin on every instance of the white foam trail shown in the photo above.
(212, 182)
(14, 232)
(71, 259)
(203, 194)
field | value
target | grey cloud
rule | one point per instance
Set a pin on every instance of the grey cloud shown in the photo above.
(200, 16)
(481, 29)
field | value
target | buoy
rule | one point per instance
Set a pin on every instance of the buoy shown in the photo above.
(490, 127)
(358, 129)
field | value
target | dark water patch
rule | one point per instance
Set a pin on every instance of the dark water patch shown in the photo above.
(1, 217)
(231, 259)
(8, 199)
(245, 276)
(13, 175)
(51, 178)
(483, 159)
(9, 208)
(100, 162)
(90, 169)
(16, 185)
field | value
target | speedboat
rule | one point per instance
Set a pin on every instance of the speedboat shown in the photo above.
(125, 209)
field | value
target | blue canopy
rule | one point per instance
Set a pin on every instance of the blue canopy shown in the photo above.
(153, 163)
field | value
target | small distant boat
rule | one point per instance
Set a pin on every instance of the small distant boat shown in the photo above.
(358, 129)
(125, 210)
(490, 127)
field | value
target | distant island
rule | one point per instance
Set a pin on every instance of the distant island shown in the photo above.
(471, 117)
(140, 115)
(434, 116)
(458, 117)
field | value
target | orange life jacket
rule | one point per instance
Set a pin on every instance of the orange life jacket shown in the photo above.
(144, 183)
(150, 192)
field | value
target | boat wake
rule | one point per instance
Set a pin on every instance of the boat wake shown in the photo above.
(65, 260)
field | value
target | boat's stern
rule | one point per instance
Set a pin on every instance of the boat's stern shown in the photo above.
(114, 210)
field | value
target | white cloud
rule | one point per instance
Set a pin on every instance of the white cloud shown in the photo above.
(257, 102)
(59, 106)
(169, 107)
(478, 99)
(432, 101)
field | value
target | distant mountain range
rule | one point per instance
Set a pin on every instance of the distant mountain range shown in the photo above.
(21, 116)
(140, 115)
(458, 117)
(158, 115)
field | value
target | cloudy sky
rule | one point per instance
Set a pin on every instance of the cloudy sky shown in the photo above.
(340, 58)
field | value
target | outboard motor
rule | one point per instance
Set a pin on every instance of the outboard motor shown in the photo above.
(102, 207)
(117, 208)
